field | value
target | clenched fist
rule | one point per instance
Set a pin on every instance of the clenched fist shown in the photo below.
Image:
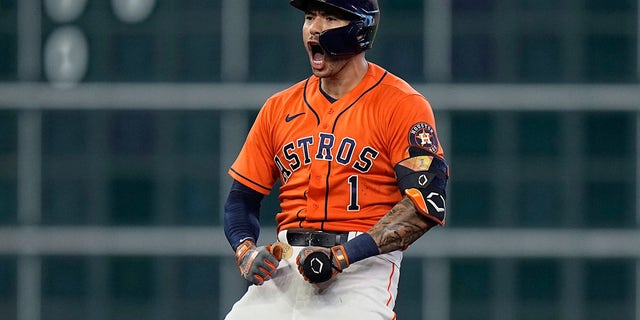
(318, 264)
(256, 264)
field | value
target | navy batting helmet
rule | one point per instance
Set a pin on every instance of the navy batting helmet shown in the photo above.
(353, 38)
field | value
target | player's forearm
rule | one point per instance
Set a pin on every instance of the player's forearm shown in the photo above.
(400, 227)
(241, 214)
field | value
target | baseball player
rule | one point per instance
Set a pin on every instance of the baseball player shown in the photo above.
(362, 177)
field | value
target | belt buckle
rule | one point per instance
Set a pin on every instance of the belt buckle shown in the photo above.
(316, 239)
(308, 239)
(321, 239)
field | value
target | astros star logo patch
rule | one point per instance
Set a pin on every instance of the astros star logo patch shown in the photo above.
(423, 136)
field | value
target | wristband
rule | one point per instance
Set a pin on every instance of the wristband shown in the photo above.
(361, 247)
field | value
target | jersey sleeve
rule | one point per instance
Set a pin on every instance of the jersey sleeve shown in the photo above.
(254, 167)
(413, 124)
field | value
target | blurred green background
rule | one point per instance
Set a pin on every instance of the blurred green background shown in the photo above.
(119, 119)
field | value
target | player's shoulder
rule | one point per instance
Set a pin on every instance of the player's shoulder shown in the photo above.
(391, 83)
(393, 88)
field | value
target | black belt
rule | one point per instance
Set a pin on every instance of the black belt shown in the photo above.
(316, 238)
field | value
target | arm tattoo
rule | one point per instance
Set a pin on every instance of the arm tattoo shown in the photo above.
(400, 227)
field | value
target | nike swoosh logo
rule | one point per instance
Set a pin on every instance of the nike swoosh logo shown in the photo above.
(289, 118)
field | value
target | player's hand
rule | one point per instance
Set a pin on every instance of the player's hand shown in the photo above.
(256, 264)
(318, 264)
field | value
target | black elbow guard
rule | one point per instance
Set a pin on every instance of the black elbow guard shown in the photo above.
(423, 178)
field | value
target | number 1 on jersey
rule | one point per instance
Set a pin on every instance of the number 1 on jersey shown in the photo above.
(353, 194)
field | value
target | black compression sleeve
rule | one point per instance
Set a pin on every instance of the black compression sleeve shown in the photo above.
(242, 214)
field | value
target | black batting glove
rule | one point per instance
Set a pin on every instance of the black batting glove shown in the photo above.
(318, 264)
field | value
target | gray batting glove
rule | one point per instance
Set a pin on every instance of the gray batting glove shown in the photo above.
(256, 264)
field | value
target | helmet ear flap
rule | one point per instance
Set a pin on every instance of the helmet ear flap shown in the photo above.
(358, 35)
(360, 32)
(347, 40)
(365, 35)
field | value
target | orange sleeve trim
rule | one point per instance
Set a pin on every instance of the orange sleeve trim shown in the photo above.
(418, 200)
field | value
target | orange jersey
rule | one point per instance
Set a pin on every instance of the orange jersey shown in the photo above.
(336, 160)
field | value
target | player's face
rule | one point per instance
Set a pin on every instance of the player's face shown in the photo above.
(315, 22)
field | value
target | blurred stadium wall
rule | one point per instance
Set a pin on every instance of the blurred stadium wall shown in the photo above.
(119, 119)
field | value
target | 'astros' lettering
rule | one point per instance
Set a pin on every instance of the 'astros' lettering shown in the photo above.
(304, 150)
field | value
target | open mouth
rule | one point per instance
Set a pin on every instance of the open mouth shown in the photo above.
(317, 54)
